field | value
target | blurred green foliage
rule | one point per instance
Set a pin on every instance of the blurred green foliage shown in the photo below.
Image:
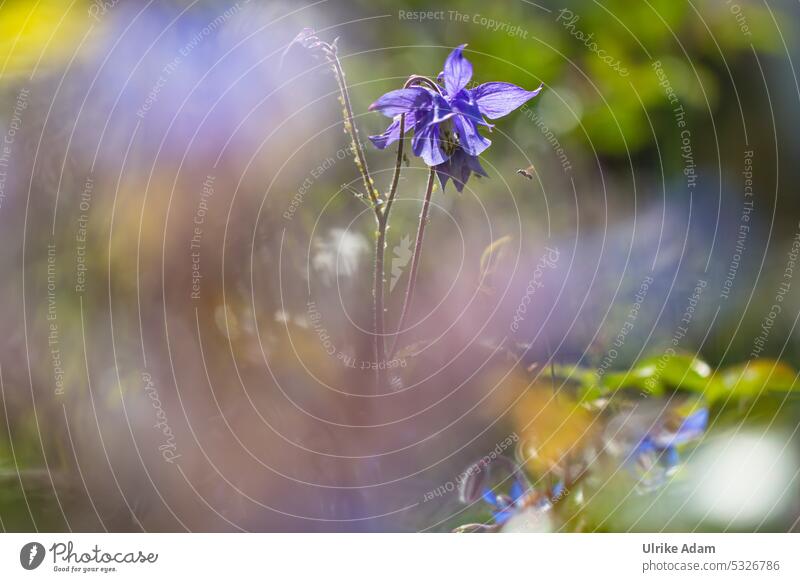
(714, 68)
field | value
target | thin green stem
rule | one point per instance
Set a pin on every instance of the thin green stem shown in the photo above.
(380, 217)
(379, 283)
(350, 127)
(397, 167)
(378, 295)
(415, 260)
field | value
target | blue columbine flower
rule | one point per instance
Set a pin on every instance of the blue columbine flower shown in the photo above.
(656, 455)
(445, 120)
(504, 499)
(504, 505)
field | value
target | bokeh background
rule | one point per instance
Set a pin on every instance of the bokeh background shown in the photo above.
(185, 295)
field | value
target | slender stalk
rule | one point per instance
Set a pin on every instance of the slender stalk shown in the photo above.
(397, 166)
(381, 217)
(413, 80)
(422, 80)
(412, 276)
(358, 150)
(379, 282)
(378, 296)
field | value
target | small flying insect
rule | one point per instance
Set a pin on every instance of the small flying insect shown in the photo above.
(526, 173)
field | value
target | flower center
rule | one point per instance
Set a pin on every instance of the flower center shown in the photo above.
(448, 137)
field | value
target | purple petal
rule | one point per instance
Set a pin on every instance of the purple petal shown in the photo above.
(696, 422)
(400, 101)
(427, 145)
(489, 496)
(443, 172)
(392, 133)
(691, 428)
(498, 99)
(473, 142)
(469, 164)
(441, 109)
(465, 104)
(459, 168)
(457, 71)
(460, 180)
(475, 166)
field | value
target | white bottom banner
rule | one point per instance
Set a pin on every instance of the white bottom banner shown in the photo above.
(354, 557)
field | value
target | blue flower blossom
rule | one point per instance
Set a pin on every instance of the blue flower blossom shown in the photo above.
(445, 120)
(504, 506)
(503, 499)
(656, 454)
(691, 428)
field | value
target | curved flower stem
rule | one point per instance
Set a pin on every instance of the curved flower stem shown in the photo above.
(412, 276)
(350, 127)
(381, 217)
(413, 80)
(397, 166)
(379, 283)
(422, 80)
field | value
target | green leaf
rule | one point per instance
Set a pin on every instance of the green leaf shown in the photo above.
(657, 373)
(752, 379)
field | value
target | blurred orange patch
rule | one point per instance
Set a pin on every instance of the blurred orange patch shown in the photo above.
(551, 428)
